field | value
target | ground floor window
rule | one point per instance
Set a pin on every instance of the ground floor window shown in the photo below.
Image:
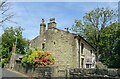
(82, 62)
(88, 65)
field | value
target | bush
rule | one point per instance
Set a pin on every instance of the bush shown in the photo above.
(38, 58)
(2, 63)
(100, 65)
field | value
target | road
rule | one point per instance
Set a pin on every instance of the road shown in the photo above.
(9, 74)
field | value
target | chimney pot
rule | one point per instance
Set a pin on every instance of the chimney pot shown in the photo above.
(42, 20)
(52, 20)
(52, 23)
(65, 29)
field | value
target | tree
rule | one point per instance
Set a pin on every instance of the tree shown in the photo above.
(13, 35)
(92, 25)
(110, 48)
(5, 15)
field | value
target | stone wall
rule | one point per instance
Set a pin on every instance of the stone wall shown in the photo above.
(34, 43)
(70, 73)
(62, 45)
(35, 72)
(28, 70)
(95, 73)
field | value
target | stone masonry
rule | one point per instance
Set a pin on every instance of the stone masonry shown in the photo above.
(70, 50)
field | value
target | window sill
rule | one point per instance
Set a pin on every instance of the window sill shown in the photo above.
(82, 55)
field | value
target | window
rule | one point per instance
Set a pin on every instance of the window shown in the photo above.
(82, 47)
(88, 65)
(91, 51)
(82, 62)
(54, 42)
(43, 46)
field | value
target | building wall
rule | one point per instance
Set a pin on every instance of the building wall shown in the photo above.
(34, 42)
(87, 54)
(66, 49)
(62, 45)
(37, 42)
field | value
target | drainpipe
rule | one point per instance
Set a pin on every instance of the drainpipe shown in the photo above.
(79, 52)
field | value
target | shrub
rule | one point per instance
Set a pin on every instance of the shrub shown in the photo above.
(2, 63)
(38, 58)
(100, 65)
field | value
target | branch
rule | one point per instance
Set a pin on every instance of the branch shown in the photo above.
(90, 19)
(4, 12)
(6, 18)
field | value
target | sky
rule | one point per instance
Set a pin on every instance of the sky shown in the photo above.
(28, 15)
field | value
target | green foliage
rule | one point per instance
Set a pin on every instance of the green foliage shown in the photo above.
(93, 22)
(100, 65)
(99, 30)
(38, 58)
(13, 35)
(110, 46)
(25, 57)
(2, 63)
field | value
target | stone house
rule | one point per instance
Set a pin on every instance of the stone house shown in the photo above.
(70, 50)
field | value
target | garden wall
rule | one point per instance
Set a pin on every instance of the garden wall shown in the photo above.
(28, 70)
(95, 73)
(72, 73)
(35, 72)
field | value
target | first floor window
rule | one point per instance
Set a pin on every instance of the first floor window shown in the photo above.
(82, 47)
(43, 46)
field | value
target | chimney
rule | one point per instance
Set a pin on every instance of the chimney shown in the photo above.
(52, 20)
(52, 23)
(42, 27)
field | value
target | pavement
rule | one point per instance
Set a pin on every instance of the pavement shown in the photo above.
(21, 74)
(11, 73)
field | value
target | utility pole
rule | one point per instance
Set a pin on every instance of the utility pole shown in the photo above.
(15, 49)
(12, 60)
(15, 41)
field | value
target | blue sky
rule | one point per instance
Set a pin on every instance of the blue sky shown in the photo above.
(28, 15)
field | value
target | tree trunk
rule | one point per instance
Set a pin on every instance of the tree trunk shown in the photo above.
(97, 54)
